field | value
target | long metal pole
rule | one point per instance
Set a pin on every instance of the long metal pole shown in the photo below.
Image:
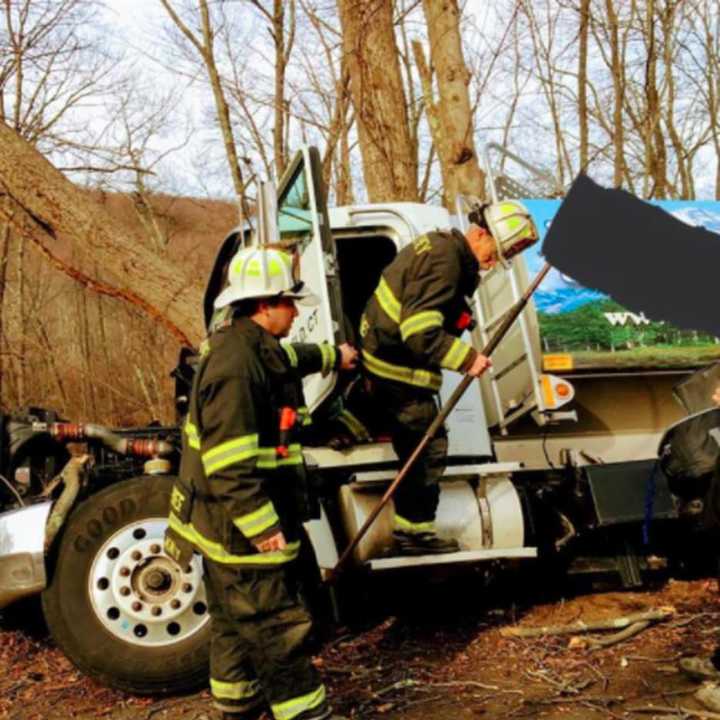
(494, 341)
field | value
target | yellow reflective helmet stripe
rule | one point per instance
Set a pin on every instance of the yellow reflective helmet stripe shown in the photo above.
(292, 708)
(257, 522)
(456, 355)
(291, 353)
(229, 453)
(215, 551)
(240, 690)
(420, 322)
(388, 302)
(409, 526)
(410, 376)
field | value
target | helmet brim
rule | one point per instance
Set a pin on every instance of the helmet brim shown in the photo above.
(304, 297)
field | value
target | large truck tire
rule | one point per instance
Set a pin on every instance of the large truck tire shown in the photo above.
(121, 610)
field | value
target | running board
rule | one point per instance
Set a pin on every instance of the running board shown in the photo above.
(464, 556)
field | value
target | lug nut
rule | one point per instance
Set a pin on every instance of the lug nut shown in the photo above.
(156, 611)
(136, 606)
(136, 555)
(155, 549)
(187, 587)
(124, 572)
(175, 604)
(125, 590)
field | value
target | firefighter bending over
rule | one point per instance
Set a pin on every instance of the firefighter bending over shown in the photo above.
(241, 495)
(411, 329)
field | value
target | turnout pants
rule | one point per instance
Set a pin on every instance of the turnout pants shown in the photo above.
(410, 414)
(258, 652)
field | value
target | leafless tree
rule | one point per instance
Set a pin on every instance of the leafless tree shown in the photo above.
(371, 56)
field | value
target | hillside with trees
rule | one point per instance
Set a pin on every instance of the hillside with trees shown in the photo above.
(191, 98)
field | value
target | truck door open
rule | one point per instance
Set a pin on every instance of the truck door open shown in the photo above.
(303, 224)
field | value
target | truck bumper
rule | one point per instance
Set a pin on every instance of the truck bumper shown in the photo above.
(22, 556)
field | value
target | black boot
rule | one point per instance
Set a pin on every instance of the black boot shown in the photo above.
(424, 543)
(251, 711)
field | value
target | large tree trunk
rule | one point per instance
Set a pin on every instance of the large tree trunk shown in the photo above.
(388, 155)
(582, 84)
(451, 118)
(56, 216)
(618, 78)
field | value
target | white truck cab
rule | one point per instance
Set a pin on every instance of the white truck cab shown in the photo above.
(342, 254)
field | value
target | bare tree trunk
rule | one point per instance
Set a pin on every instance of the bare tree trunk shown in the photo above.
(389, 160)
(21, 318)
(453, 117)
(281, 60)
(582, 83)
(49, 352)
(205, 48)
(655, 152)
(4, 258)
(52, 214)
(618, 80)
(667, 18)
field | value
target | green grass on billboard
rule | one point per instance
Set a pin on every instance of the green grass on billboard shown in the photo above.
(604, 335)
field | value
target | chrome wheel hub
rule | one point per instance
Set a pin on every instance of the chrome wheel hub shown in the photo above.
(142, 596)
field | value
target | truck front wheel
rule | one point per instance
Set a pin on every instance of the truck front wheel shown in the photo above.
(120, 609)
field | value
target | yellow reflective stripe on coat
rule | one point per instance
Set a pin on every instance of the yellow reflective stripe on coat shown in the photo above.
(388, 302)
(216, 552)
(409, 526)
(290, 352)
(269, 459)
(329, 355)
(292, 708)
(192, 434)
(240, 690)
(356, 428)
(230, 452)
(456, 355)
(258, 521)
(420, 322)
(304, 416)
(410, 376)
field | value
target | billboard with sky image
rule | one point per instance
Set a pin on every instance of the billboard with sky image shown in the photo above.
(582, 329)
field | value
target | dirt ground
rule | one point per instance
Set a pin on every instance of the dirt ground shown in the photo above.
(433, 652)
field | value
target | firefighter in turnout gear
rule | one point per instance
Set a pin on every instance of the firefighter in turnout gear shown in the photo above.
(241, 494)
(411, 330)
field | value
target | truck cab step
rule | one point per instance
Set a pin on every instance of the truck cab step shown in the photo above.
(464, 556)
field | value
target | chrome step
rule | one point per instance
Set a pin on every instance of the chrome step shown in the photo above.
(464, 556)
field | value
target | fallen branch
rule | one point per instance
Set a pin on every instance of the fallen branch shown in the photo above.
(410, 683)
(676, 710)
(581, 626)
(614, 639)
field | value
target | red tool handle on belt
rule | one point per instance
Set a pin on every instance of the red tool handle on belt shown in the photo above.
(288, 418)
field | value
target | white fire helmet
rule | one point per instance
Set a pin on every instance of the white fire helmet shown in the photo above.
(263, 272)
(512, 226)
